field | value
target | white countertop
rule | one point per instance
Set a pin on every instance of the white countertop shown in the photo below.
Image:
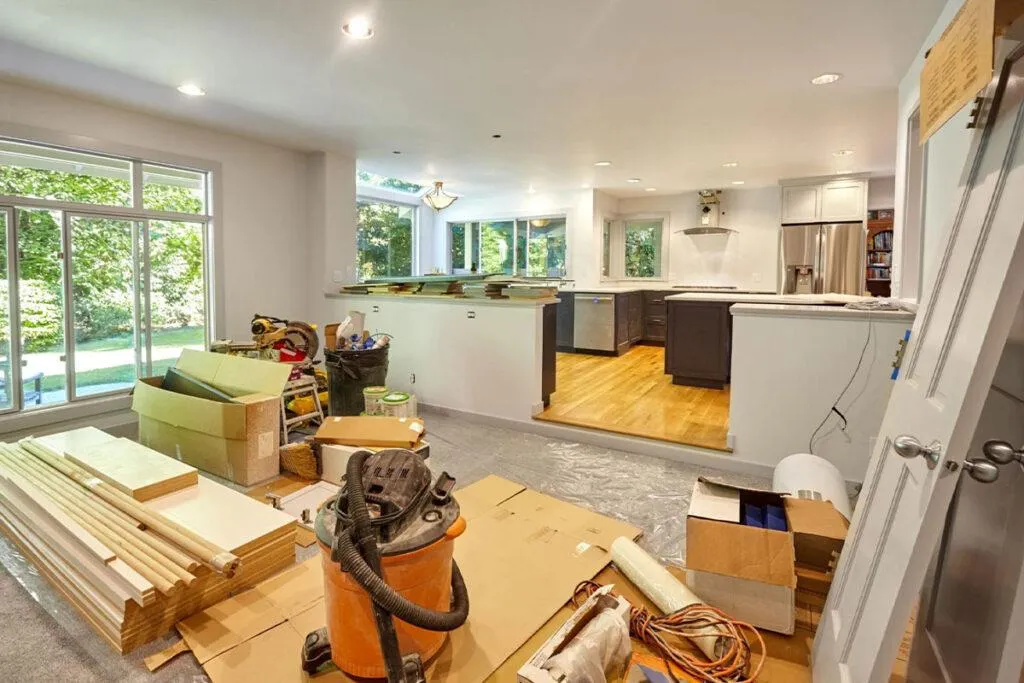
(445, 299)
(817, 311)
(602, 290)
(795, 299)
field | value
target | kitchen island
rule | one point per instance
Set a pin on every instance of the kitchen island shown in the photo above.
(698, 336)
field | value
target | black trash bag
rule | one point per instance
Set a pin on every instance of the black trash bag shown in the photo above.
(349, 372)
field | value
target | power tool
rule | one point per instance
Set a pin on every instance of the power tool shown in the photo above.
(392, 589)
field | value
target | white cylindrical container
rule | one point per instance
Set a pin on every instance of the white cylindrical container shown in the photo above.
(372, 400)
(807, 476)
(663, 589)
(397, 404)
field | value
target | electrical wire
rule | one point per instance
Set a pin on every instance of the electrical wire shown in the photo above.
(662, 633)
(834, 408)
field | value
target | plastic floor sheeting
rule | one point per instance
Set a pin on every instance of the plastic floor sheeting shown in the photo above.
(42, 638)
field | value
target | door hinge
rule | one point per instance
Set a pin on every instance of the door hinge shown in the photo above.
(901, 349)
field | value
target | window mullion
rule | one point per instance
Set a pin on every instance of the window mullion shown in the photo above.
(137, 182)
(69, 308)
(14, 309)
(147, 303)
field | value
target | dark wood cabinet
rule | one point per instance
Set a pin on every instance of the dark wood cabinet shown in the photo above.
(622, 342)
(655, 316)
(698, 349)
(565, 321)
(635, 315)
(548, 336)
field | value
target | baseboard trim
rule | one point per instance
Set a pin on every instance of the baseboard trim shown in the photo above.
(690, 455)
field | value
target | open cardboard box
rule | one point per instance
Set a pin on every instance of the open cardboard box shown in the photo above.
(522, 555)
(751, 572)
(237, 440)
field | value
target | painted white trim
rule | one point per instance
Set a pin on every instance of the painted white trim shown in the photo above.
(44, 419)
(818, 312)
(442, 299)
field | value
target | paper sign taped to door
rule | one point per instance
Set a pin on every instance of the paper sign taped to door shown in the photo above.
(958, 66)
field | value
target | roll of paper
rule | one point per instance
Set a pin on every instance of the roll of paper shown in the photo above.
(661, 588)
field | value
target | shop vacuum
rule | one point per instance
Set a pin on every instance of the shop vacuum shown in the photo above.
(391, 588)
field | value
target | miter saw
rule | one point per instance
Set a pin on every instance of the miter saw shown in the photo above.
(277, 339)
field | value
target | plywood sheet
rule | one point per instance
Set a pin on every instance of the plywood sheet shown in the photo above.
(86, 437)
(234, 374)
(309, 498)
(225, 517)
(129, 466)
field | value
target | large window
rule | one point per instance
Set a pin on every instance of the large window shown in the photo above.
(108, 280)
(384, 239)
(633, 248)
(529, 247)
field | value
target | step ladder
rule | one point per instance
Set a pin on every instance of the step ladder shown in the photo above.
(297, 388)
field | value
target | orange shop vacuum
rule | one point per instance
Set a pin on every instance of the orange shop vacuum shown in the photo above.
(391, 588)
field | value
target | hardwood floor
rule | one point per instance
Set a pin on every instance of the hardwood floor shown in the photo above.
(631, 395)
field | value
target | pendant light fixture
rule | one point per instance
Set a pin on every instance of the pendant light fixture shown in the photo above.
(438, 199)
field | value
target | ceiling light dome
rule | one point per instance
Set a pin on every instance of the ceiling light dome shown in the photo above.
(438, 199)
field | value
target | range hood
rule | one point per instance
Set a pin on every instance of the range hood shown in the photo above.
(710, 215)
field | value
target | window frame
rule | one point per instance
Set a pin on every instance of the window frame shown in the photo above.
(384, 196)
(473, 252)
(616, 224)
(73, 407)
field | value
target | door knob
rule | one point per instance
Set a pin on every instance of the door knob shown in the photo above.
(909, 447)
(1002, 453)
(982, 470)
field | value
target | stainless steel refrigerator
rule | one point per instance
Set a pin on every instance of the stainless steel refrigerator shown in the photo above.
(823, 258)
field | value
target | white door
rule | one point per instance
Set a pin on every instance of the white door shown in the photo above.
(801, 203)
(956, 342)
(844, 200)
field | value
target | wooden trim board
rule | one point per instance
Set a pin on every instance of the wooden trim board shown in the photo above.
(140, 472)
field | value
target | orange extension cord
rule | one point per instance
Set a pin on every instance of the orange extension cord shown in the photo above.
(657, 632)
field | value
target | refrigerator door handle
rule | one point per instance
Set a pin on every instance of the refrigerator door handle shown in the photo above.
(821, 267)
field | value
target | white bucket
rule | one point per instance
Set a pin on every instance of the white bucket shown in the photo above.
(807, 476)
(398, 404)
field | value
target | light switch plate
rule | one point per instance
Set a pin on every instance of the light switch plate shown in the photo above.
(339, 276)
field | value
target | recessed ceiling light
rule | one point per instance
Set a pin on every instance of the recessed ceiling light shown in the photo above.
(359, 28)
(825, 79)
(738, 182)
(191, 89)
(602, 163)
(730, 164)
(842, 153)
(496, 136)
(650, 189)
(632, 180)
(396, 152)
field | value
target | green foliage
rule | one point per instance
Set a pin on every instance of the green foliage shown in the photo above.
(367, 178)
(103, 278)
(458, 242)
(384, 240)
(643, 247)
(496, 248)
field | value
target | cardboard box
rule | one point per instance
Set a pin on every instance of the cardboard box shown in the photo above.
(751, 572)
(371, 430)
(522, 555)
(236, 440)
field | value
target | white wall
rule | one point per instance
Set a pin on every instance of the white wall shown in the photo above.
(881, 193)
(747, 259)
(489, 364)
(262, 234)
(946, 154)
(786, 373)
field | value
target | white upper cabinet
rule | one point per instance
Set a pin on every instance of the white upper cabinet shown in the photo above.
(825, 202)
(844, 200)
(801, 203)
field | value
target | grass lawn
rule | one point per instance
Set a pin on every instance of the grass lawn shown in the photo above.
(124, 374)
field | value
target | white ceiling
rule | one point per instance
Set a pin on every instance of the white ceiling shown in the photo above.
(668, 90)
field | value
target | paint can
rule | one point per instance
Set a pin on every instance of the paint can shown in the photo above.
(398, 404)
(372, 397)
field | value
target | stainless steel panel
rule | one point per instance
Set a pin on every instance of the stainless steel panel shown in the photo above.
(841, 266)
(799, 251)
(594, 322)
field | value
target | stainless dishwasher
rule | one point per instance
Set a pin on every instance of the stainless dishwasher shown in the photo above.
(594, 322)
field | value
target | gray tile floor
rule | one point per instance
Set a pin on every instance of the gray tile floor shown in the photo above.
(42, 638)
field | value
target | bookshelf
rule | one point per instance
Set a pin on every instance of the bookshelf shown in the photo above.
(878, 272)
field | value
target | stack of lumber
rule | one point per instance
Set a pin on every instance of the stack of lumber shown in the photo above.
(132, 568)
(484, 290)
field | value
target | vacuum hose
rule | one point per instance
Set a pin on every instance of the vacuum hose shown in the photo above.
(353, 562)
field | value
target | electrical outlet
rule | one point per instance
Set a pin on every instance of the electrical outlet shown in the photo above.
(339, 276)
(471, 314)
(375, 308)
(730, 441)
(756, 277)
(412, 378)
